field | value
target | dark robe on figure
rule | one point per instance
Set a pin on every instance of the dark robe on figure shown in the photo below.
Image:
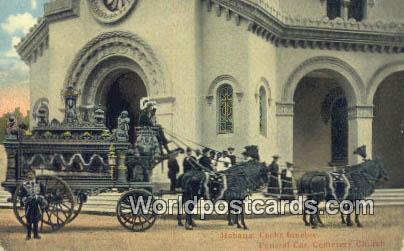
(173, 170)
(189, 163)
(144, 118)
(233, 159)
(273, 184)
(205, 162)
(287, 186)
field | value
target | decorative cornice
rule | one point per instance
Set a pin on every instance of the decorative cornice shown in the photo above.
(284, 109)
(297, 32)
(364, 112)
(33, 45)
(163, 100)
(61, 9)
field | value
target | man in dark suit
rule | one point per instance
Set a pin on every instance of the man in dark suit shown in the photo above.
(173, 170)
(232, 156)
(145, 115)
(205, 160)
(147, 118)
(273, 184)
(189, 162)
(34, 201)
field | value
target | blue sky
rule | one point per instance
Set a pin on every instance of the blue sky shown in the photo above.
(16, 8)
(16, 17)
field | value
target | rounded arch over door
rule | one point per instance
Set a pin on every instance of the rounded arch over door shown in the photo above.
(380, 75)
(346, 75)
(113, 44)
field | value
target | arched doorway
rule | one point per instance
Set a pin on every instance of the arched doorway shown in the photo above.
(320, 123)
(122, 89)
(388, 127)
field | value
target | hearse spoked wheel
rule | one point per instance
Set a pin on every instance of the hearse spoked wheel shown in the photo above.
(78, 205)
(57, 210)
(136, 220)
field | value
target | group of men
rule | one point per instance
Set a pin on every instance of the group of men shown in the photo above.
(207, 159)
(280, 179)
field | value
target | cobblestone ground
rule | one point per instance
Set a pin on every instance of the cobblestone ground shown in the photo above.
(384, 231)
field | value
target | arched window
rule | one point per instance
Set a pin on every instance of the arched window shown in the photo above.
(334, 9)
(225, 109)
(263, 111)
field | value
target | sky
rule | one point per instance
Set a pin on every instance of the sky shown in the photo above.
(16, 18)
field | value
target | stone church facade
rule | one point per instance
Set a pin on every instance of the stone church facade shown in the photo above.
(310, 79)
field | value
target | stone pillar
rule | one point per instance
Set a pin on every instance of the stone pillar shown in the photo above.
(284, 117)
(360, 120)
(121, 175)
(344, 9)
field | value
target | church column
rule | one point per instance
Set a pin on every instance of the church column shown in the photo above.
(360, 120)
(345, 8)
(284, 117)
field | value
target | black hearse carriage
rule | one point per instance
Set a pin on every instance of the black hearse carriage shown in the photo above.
(77, 158)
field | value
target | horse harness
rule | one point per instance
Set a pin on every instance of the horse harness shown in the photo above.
(214, 184)
(338, 185)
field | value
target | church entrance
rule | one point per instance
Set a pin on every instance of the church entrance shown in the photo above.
(320, 123)
(388, 128)
(123, 92)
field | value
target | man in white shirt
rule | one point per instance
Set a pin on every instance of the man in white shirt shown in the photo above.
(224, 162)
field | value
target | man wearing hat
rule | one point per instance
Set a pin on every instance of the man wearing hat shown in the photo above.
(287, 182)
(145, 115)
(148, 119)
(274, 184)
(205, 160)
(189, 161)
(246, 157)
(231, 155)
(32, 197)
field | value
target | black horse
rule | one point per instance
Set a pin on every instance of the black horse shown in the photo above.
(357, 183)
(233, 184)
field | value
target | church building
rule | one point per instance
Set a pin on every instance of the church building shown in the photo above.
(310, 80)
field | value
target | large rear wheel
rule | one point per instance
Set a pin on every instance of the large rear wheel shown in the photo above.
(60, 204)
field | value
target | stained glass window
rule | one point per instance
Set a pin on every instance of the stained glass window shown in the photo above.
(225, 109)
(263, 111)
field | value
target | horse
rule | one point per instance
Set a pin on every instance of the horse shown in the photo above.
(358, 182)
(233, 184)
